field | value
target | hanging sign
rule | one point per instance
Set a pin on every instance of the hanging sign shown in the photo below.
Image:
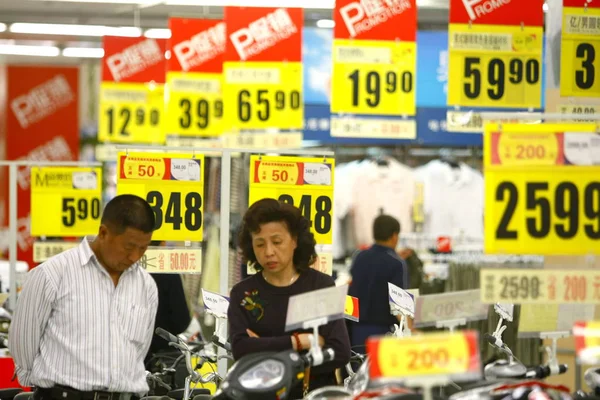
(132, 90)
(495, 53)
(42, 251)
(580, 44)
(65, 201)
(194, 84)
(306, 183)
(173, 185)
(542, 189)
(263, 68)
(539, 286)
(455, 355)
(535, 319)
(374, 69)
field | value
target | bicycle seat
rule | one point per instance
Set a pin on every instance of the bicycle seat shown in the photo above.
(8, 394)
(24, 396)
(177, 394)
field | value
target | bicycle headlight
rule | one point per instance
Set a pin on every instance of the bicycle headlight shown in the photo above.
(263, 375)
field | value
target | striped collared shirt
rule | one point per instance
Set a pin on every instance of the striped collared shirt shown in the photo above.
(73, 327)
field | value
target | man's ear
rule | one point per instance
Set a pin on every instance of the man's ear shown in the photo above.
(103, 231)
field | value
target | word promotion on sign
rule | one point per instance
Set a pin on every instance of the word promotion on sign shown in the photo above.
(580, 47)
(132, 90)
(194, 81)
(173, 184)
(429, 355)
(495, 54)
(374, 66)
(306, 183)
(263, 69)
(539, 286)
(542, 189)
(65, 201)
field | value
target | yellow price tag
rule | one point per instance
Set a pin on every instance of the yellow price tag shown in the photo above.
(42, 251)
(454, 354)
(374, 77)
(65, 201)
(551, 207)
(351, 309)
(580, 109)
(173, 185)
(306, 183)
(262, 95)
(195, 105)
(539, 286)
(172, 261)
(495, 66)
(580, 45)
(131, 113)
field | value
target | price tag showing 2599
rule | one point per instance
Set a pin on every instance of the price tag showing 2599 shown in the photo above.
(306, 183)
(173, 185)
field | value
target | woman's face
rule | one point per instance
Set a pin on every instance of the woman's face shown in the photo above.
(274, 247)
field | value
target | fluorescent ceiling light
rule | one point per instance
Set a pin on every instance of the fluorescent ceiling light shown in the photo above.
(158, 33)
(75, 30)
(325, 23)
(83, 52)
(23, 50)
(2, 27)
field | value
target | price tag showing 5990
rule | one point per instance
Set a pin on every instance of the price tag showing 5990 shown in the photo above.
(539, 286)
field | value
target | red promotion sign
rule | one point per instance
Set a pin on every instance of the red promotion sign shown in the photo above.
(133, 60)
(376, 20)
(196, 45)
(581, 3)
(42, 124)
(498, 12)
(264, 34)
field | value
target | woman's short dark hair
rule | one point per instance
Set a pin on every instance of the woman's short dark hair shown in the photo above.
(270, 210)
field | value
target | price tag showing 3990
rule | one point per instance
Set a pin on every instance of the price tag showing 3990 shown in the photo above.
(173, 185)
(306, 183)
(539, 286)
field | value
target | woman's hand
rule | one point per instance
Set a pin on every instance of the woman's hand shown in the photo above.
(305, 341)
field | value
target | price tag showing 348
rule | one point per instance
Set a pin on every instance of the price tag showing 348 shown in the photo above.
(306, 183)
(173, 184)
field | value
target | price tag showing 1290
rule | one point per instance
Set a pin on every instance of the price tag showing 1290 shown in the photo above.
(173, 185)
(306, 183)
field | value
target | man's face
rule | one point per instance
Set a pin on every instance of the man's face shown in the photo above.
(119, 252)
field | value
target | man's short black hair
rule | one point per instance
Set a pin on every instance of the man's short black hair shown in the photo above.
(384, 227)
(128, 211)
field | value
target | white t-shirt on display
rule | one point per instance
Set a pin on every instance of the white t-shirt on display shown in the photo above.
(381, 189)
(453, 200)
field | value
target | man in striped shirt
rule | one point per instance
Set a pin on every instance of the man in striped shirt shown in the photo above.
(84, 319)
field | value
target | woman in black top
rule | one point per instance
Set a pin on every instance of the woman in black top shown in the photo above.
(276, 238)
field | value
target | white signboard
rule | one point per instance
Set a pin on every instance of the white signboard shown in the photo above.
(462, 305)
(401, 300)
(215, 303)
(326, 305)
(505, 310)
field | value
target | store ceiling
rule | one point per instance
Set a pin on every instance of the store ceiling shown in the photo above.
(149, 14)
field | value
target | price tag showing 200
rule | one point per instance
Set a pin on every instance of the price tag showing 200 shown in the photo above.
(173, 185)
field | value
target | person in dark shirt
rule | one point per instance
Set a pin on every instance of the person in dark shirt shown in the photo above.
(173, 312)
(275, 237)
(371, 271)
